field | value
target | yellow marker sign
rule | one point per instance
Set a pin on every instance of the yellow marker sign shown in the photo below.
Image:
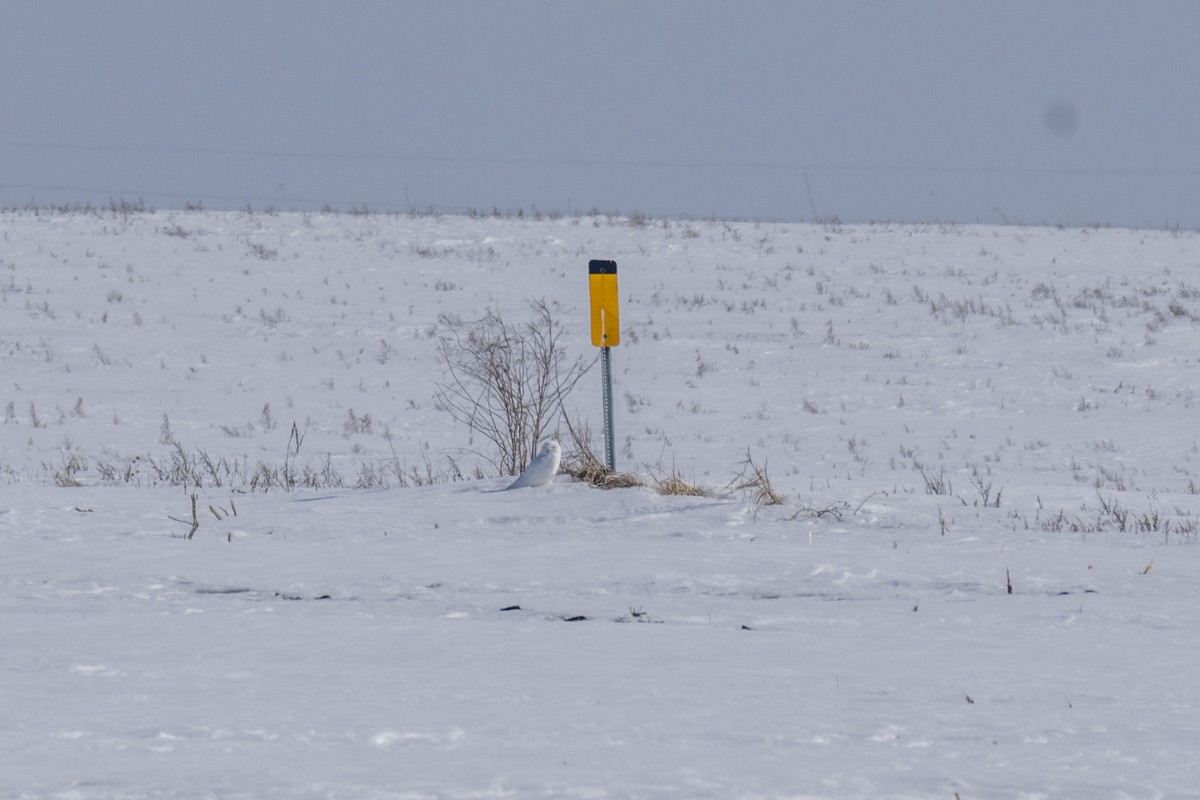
(606, 320)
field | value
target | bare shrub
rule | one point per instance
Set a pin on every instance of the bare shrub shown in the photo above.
(356, 423)
(262, 251)
(507, 382)
(65, 475)
(937, 483)
(983, 485)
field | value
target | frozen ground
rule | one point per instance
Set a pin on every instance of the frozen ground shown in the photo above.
(948, 411)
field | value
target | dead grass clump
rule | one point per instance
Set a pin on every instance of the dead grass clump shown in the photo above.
(754, 481)
(583, 465)
(598, 476)
(672, 483)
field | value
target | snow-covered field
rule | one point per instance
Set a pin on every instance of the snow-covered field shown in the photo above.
(982, 582)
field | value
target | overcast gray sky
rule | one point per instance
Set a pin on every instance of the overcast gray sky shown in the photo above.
(1049, 111)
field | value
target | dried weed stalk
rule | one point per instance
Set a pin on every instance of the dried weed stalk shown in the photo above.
(755, 482)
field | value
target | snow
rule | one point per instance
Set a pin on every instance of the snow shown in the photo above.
(437, 639)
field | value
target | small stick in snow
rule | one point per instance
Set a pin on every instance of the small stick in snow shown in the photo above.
(195, 519)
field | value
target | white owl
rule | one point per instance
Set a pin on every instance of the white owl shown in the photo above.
(542, 468)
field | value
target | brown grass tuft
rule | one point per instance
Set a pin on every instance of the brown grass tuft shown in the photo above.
(582, 465)
(756, 483)
(672, 483)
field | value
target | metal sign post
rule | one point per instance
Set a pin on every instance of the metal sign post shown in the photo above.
(610, 458)
(606, 334)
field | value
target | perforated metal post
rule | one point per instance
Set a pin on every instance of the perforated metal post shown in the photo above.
(610, 457)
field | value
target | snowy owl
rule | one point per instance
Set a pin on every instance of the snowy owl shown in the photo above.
(542, 468)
